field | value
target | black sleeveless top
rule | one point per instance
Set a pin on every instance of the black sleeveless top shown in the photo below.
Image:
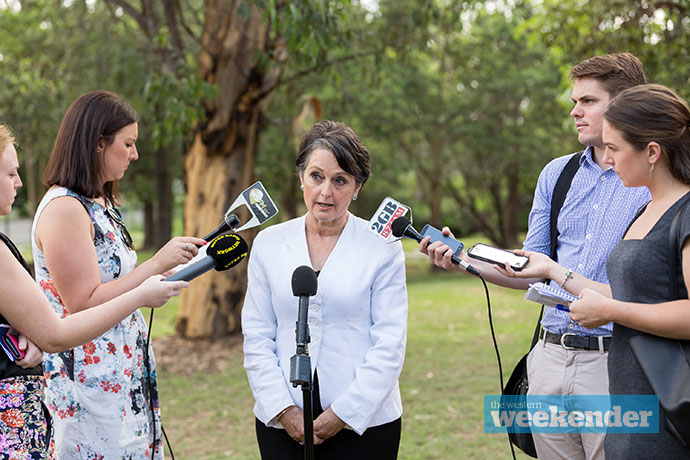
(9, 368)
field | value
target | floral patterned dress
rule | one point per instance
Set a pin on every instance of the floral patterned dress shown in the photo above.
(25, 429)
(98, 393)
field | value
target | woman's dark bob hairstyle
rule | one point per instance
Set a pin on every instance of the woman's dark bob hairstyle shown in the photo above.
(74, 162)
(339, 139)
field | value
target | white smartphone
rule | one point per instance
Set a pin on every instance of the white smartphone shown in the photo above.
(498, 256)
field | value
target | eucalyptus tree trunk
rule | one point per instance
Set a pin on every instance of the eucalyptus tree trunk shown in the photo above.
(220, 162)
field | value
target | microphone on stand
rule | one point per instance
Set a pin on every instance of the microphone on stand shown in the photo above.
(304, 285)
(222, 253)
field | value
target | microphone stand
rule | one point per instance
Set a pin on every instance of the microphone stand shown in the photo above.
(300, 374)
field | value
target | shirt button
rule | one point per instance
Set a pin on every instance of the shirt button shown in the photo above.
(314, 307)
(316, 336)
(589, 236)
(603, 178)
(315, 322)
(596, 206)
(580, 266)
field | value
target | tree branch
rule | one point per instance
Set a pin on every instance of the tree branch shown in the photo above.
(329, 62)
(468, 203)
(131, 11)
(170, 9)
(183, 23)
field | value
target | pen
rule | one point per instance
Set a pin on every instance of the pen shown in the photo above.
(562, 307)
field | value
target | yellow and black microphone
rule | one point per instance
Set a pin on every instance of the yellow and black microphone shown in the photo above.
(223, 253)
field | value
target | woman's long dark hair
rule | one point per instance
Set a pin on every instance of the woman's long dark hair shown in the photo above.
(654, 113)
(74, 162)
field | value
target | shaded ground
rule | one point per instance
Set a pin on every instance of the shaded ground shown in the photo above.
(185, 357)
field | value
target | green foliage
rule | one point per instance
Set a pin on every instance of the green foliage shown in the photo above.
(452, 102)
(175, 98)
(656, 31)
(309, 28)
(52, 53)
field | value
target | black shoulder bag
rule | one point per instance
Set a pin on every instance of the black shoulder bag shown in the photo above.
(665, 362)
(517, 383)
(15, 252)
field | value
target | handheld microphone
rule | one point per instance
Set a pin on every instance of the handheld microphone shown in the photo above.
(230, 223)
(304, 284)
(223, 253)
(402, 227)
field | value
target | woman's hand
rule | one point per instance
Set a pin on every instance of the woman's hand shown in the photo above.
(327, 425)
(293, 422)
(591, 310)
(156, 292)
(179, 250)
(33, 355)
(539, 266)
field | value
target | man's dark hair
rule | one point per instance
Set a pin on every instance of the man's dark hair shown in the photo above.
(616, 72)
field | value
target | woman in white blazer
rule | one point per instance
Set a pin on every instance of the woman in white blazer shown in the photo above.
(357, 319)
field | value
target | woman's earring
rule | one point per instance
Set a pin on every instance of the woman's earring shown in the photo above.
(301, 187)
(651, 168)
(354, 197)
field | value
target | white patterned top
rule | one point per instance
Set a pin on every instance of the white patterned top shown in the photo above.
(97, 393)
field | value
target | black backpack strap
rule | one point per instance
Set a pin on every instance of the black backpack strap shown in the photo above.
(558, 196)
(557, 199)
(15, 252)
(674, 236)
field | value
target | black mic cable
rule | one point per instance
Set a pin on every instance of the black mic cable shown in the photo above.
(402, 227)
(498, 355)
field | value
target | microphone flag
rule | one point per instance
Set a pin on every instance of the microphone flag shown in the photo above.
(259, 203)
(388, 211)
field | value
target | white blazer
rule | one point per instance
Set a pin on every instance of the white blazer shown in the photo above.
(357, 322)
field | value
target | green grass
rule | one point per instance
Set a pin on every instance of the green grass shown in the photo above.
(450, 364)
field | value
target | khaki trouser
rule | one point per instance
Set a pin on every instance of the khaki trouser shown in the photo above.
(553, 370)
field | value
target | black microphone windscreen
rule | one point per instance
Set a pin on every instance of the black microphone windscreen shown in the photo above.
(227, 251)
(304, 281)
(399, 225)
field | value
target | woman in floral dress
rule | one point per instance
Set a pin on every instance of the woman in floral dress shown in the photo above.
(25, 429)
(103, 400)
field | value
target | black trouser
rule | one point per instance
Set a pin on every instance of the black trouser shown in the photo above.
(378, 442)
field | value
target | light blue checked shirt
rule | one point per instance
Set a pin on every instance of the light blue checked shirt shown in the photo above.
(596, 212)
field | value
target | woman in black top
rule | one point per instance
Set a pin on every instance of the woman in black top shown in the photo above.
(24, 430)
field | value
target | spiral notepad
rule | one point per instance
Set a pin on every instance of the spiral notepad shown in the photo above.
(549, 296)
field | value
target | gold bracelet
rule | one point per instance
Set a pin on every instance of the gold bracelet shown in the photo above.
(568, 276)
(282, 412)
